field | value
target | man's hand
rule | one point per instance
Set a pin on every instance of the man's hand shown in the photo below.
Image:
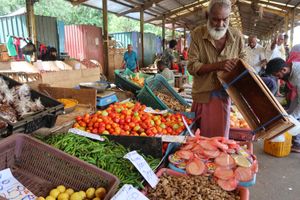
(228, 65)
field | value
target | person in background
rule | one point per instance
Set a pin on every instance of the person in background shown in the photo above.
(185, 53)
(277, 48)
(294, 55)
(215, 47)
(289, 72)
(286, 45)
(168, 56)
(256, 54)
(51, 54)
(166, 72)
(130, 60)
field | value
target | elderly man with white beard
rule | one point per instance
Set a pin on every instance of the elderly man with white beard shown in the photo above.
(214, 47)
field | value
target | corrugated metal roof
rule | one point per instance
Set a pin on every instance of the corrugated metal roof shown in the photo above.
(188, 13)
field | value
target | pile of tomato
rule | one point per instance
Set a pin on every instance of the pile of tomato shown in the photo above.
(131, 119)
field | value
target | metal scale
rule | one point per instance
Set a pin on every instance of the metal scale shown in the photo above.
(105, 97)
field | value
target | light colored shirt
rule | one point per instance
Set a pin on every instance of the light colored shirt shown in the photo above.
(278, 52)
(169, 75)
(203, 51)
(255, 56)
(131, 60)
(294, 79)
(168, 57)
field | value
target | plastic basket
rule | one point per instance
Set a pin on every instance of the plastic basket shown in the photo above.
(40, 167)
(46, 118)
(160, 84)
(244, 192)
(279, 149)
(122, 82)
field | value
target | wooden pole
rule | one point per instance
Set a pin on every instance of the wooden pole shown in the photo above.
(105, 37)
(286, 23)
(173, 30)
(184, 35)
(142, 34)
(163, 32)
(292, 27)
(31, 25)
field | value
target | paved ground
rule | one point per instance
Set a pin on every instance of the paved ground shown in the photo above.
(278, 178)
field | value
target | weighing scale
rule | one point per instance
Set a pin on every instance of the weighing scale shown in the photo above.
(104, 99)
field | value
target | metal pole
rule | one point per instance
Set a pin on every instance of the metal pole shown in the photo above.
(142, 34)
(105, 37)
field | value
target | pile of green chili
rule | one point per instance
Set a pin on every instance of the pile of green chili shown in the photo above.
(106, 155)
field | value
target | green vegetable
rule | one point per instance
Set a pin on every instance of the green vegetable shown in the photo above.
(106, 155)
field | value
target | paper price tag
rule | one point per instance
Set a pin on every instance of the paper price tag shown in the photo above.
(142, 166)
(150, 110)
(128, 192)
(171, 138)
(85, 134)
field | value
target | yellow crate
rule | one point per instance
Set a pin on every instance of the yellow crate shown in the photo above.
(279, 149)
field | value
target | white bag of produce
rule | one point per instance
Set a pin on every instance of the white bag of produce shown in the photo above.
(279, 138)
(295, 130)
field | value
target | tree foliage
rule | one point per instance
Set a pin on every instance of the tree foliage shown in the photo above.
(69, 14)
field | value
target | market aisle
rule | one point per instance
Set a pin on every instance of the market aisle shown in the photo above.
(278, 178)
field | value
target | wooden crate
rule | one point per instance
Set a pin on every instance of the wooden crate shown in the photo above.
(254, 100)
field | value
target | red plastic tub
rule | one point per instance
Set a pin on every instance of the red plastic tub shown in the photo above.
(244, 192)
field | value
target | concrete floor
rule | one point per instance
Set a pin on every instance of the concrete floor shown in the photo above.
(278, 178)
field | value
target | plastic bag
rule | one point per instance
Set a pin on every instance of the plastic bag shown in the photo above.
(280, 138)
(295, 130)
(28, 49)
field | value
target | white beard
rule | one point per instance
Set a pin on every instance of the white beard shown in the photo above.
(216, 33)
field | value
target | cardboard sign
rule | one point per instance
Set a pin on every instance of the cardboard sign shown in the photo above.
(85, 134)
(128, 192)
(142, 166)
(12, 189)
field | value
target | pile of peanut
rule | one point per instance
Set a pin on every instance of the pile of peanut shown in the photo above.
(189, 188)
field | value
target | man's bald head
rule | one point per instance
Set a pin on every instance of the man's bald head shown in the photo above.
(280, 39)
(252, 41)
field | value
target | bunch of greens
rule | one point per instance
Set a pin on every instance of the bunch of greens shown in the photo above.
(106, 155)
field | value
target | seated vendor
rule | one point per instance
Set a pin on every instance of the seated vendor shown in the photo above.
(166, 72)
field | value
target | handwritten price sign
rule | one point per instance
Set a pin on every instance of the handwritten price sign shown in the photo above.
(128, 192)
(142, 166)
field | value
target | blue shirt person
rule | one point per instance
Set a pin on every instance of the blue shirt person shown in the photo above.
(130, 60)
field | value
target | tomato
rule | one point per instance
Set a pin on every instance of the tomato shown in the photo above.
(116, 120)
(76, 125)
(86, 116)
(101, 129)
(137, 128)
(83, 124)
(99, 120)
(96, 125)
(131, 124)
(128, 119)
(126, 128)
(157, 122)
(95, 131)
(107, 126)
(122, 121)
(78, 118)
(169, 130)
